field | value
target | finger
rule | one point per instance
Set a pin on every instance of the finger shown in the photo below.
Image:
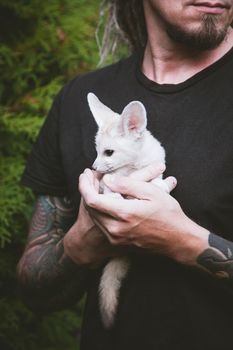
(94, 177)
(171, 183)
(97, 185)
(128, 186)
(149, 172)
(104, 203)
(110, 227)
(102, 228)
(116, 208)
(90, 174)
(166, 185)
(97, 175)
(87, 187)
(104, 222)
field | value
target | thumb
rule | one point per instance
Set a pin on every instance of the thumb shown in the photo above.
(171, 183)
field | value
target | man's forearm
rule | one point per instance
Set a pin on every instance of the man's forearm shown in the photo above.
(218, 257)
(207, 251)
(48, 278)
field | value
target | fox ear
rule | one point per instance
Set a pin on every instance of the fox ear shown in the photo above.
(133, 118)
(101, 113)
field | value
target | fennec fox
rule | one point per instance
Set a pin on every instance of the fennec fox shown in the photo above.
(123, 144)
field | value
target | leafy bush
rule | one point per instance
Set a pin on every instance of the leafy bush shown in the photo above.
(43, 44)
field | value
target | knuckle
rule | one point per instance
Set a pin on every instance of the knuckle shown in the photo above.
(113, 240)
(123, 186)
(135, 174)
(90, 201)
(114, 229)
(151, 170)
(117, 231)
(157, 169)
(127, 216)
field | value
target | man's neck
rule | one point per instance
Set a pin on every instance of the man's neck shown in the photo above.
(172, 63)
(175, 66)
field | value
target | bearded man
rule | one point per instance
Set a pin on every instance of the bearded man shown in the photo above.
(178, 292)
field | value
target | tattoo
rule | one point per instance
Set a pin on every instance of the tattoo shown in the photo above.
(218, 258)
(52, 218)
(49, 279)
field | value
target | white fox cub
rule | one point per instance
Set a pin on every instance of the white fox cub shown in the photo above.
(123, 144)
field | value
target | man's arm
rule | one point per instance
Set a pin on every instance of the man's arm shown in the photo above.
(49, 279)
(61, 254)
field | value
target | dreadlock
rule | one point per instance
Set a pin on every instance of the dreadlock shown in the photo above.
(124, 23)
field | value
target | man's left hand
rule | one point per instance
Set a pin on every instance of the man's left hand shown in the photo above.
(151, 219)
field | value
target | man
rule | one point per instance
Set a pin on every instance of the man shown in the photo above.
(178, 292)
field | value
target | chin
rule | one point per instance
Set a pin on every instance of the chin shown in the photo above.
(208, 35)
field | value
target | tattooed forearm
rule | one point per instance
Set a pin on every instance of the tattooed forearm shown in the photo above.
(52, 218)
(218, 258)
(49, 279)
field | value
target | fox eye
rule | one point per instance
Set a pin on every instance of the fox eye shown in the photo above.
(108, 152)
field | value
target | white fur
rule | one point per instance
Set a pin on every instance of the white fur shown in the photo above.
(113, 274)
(134, 148)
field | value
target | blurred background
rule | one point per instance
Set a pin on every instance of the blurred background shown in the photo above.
(43, 44)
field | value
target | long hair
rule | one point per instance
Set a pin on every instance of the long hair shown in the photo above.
(124, 25)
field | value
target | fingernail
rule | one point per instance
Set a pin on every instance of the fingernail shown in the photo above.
(174, 181)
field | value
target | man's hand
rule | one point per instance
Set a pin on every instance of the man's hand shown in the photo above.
(152, 219)
(86, 244)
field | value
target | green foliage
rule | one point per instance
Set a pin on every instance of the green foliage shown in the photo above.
(43, 44)
(41, 38)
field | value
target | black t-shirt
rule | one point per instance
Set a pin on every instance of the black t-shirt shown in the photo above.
(163, 305)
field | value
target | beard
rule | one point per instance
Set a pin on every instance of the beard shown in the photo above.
(206, 38)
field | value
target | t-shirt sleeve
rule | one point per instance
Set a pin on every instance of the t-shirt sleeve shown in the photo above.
(44, 173)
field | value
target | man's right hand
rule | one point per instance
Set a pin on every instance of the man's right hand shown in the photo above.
(85, 243)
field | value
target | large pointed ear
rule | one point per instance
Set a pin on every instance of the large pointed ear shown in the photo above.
(133, 118)
(101, 113)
